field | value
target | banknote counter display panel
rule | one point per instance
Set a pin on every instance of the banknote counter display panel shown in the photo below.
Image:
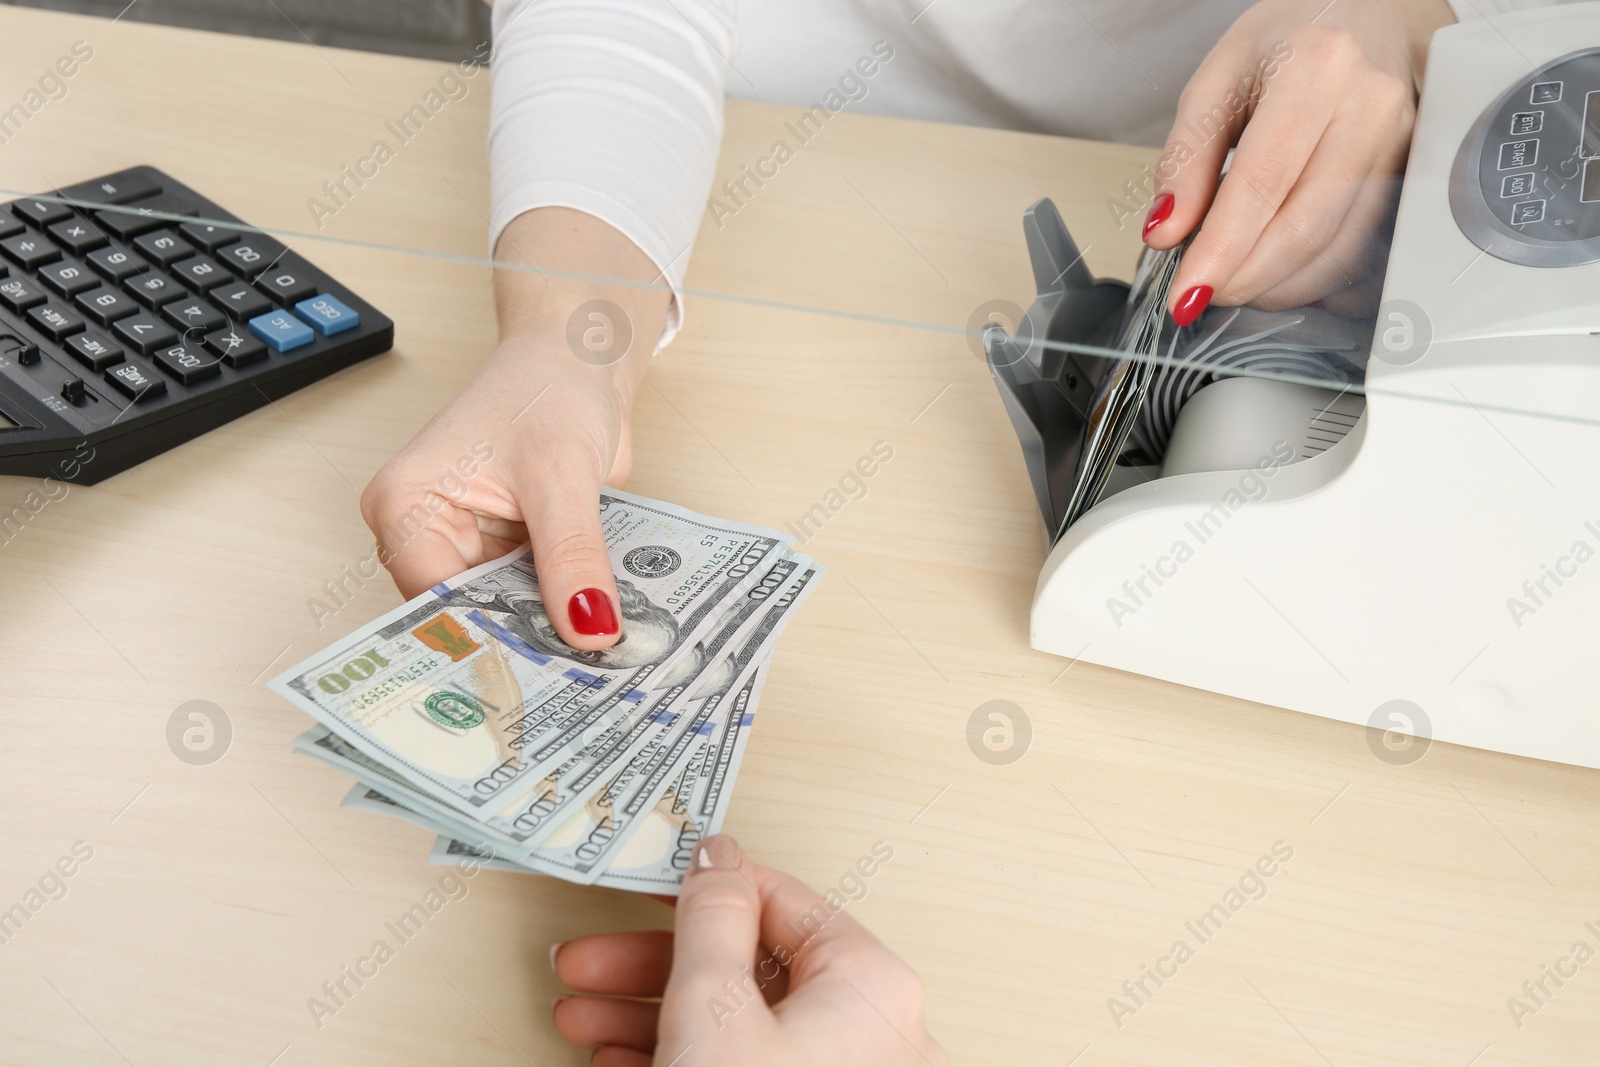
(135, 314)
(1525, 186)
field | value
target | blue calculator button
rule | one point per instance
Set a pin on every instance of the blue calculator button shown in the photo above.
(327, 314)
(281, 330)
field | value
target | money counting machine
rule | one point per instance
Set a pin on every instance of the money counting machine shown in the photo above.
(1398, 524)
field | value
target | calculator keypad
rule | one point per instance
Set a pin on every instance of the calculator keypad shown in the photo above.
(111, 305)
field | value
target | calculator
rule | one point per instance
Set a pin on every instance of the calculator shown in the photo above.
(136, 314)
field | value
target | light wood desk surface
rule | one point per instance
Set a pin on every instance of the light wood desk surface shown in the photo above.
(219, 898)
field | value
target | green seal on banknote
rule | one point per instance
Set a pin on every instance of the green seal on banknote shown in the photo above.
(455, 710)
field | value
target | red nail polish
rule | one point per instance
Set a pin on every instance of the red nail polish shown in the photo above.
(591, 613)
(1191, 304)
(1160, 212)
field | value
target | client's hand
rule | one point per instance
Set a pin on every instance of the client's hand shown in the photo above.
(739, 987)
(1320, 100)
(522, 452)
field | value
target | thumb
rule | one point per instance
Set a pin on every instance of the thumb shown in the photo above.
(562, 513)
(718, 930)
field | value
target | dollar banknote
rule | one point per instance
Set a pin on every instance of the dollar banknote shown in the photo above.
(657, 855)
(466, 690)
(574, 820)
(463, 712)
(523, 816)
(582, 848)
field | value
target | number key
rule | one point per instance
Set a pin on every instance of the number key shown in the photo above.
(240, 301)
(202, 273)
(145, 333)
(187, 364)
(116, 264)
(193, 314)
(164, 247)
(68, 277)
(106, 305)
(287, 286)
(252, 255)
(152, 289)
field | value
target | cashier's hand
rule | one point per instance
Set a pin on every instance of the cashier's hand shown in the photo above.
(522, 452)
(1320, 100)
(737, 988)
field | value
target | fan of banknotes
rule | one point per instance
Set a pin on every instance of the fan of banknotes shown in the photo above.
(1120, 395)
(463, 712)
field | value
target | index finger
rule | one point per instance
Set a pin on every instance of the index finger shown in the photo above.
(1211, 112)
(1272, 153)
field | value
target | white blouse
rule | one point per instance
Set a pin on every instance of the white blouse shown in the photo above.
(614, 107)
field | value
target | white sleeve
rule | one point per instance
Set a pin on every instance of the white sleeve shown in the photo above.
(614, 108)
(1467, 10)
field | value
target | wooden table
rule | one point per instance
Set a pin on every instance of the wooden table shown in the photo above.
(219, 898)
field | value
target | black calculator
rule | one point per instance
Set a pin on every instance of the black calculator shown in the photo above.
(133, 317)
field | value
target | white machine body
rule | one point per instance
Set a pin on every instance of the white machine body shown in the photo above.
(1446, 550)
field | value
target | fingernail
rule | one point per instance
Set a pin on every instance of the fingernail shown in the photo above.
(556, 1003)
(719, 851)
(591, 613)
(553, 950)
(1160, 212)
(1191, 304)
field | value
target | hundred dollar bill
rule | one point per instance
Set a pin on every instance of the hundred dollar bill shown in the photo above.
(581, 848)
(449, 848)
(656, 857)
(467, 692)
(521, 817)
(748, 631)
